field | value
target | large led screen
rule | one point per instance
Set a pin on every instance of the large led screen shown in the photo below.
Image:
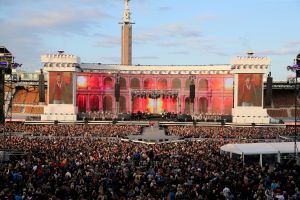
(60, 88)
(250, 90)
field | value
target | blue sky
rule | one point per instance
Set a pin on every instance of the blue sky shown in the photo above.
(165, 31)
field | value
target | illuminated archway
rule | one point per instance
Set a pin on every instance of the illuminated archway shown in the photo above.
(107, 83)
(107, 104)
(81, 103)
(228, 102)
(135, 83)
(94, 82)
(123, 104)
(216, 105)
(94, 103)
(187, 105)
(162, 84)
(187, 84)
(203, 103)
(176, 84)
(149, 84)
(122, 83)
(203, 85)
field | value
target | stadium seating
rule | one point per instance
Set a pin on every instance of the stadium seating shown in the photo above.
(284, 98)
(293, 112)
(280, 113)
(17, 109)
(31, 97)
(19, 97)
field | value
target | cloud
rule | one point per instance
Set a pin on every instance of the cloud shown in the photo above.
(108, 41)
(180, 30)
(291, 44)
(30, 24)
(278, 52)
(165, 8)
(162, 34)
(290, 48)
(112, 59)
(180, 52)
(146, 36)
(146, 57)
(61, 20)
(205, 17)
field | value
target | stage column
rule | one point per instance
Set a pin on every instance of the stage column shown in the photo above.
(209, 100)
(182, 103)
(113, 109)
(196, 102)
(88, 103)
(222, 105)
(131, 103)
(100, 103)
(169, 103)
(177, 104)
(155, 106)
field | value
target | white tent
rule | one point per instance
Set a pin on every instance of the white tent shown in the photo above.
(260, 149)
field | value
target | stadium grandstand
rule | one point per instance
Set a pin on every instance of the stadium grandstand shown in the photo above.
(24, 91)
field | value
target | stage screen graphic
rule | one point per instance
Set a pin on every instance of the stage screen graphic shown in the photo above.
(250, 90)
(159, 105)
(60, 88)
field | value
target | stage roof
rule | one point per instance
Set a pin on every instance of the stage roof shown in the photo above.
(260, 148)
(115, 67)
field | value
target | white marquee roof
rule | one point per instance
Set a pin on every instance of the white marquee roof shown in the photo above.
(260, 148)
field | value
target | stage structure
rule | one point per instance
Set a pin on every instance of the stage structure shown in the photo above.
(235, 89)
(155, 89)
(249, 72)
(61, 68)
(7, 64)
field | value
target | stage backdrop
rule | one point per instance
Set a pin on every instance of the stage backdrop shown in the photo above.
(60, 88)
(250, 90)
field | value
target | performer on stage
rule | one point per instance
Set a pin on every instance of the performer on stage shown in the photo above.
(59, 89)
(248, 93)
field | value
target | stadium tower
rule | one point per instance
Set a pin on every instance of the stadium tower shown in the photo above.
(126, 52)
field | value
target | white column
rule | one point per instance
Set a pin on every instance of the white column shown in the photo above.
(260, 160)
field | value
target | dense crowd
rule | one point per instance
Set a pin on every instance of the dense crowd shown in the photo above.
(98, 168)
(69, 168)
(73, 129)
(231, 132)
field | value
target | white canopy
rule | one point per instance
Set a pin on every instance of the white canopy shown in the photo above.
(260, 148)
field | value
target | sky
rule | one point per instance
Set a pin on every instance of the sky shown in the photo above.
(175, 32)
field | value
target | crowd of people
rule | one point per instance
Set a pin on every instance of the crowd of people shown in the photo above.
(104, 168)
(85, 168)
(229, 132)
(96, 130)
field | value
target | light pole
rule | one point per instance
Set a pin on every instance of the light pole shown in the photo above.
(295, 68)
